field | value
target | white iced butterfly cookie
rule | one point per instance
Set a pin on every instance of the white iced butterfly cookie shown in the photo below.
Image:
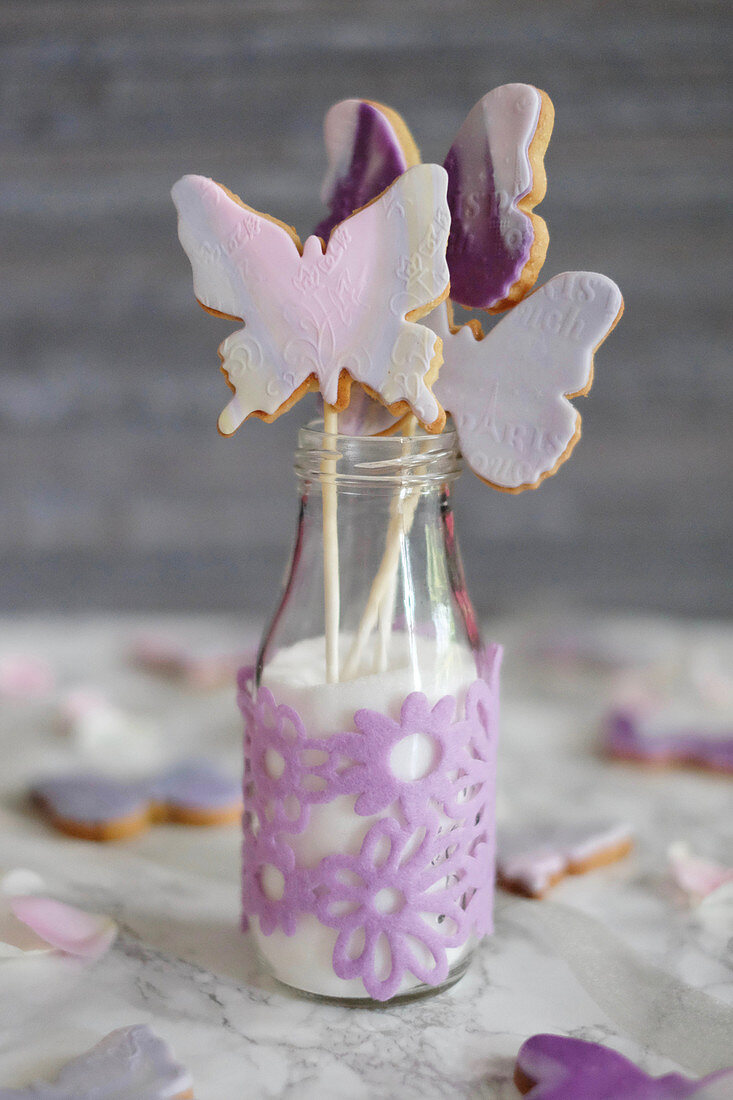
(320, 320)
(508, 392)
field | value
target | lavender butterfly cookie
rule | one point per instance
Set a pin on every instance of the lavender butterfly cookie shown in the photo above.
(98, 807)
(130, 1062)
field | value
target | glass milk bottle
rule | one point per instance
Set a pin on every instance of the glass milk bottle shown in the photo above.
(370, 733)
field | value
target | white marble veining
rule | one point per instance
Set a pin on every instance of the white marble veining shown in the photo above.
(615, 956)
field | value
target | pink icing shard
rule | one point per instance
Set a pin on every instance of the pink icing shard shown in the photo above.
(489, 172)
(698, 877)
(131, 1063)
(364, 157)
(556, 1067)
(68, 929)
(25, 677)
(199, 667)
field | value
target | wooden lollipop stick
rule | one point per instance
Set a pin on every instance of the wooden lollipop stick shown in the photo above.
(381, 594)
(331, 592)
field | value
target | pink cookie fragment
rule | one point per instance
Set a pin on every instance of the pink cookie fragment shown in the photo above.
(68, 929)
(197, 667)
(25, 677)
(696, 876)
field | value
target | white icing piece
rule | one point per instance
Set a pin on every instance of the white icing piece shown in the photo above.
(322, 313)
(103, 732)
(698, 877)
(131, 1063)
(508, 392)
(533, 857)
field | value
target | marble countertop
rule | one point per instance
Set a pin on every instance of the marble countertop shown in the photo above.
(616, 956)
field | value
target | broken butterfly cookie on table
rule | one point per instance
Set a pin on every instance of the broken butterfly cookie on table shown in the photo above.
(321, 317)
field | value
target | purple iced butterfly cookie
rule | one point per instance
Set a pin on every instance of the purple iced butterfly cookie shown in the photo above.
(130, 1062)
(555, 1067)
(98, 807)
(365, 155)
(633, 735)
(495, 176)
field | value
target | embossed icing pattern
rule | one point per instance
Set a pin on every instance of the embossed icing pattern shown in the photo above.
(319, 314)
(423, 877)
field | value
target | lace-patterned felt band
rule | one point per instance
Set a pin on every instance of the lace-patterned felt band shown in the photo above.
(419, 876)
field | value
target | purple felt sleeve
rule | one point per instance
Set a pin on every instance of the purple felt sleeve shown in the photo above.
(429, 839)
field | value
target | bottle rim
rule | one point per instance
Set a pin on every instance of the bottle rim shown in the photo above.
(419, 459)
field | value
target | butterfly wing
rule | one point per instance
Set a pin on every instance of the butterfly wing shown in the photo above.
(495, 168)
(244, 264)
(367, 147)
(508, 392)
(383, 268)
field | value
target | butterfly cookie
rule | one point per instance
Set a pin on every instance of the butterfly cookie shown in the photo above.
(508, 391)
(321, 317)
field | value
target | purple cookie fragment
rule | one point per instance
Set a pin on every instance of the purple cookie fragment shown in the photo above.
(556, 1067)
(625, 737)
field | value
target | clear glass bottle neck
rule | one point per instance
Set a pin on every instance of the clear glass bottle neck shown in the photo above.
(384, 504)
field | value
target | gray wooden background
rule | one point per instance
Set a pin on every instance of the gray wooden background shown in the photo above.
(116, 489)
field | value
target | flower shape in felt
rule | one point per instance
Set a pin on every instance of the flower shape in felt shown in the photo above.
(262, 853)
(448, 774)
(378, 895)
(283, 784)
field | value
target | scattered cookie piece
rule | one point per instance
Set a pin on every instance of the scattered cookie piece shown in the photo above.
(673, 715)
(97, 807)
(31, 923)
(198, 667)
(24, 677)
(557, 1067)
(100, 731)
(531, 860)
(698, 877)
(131, 1062)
